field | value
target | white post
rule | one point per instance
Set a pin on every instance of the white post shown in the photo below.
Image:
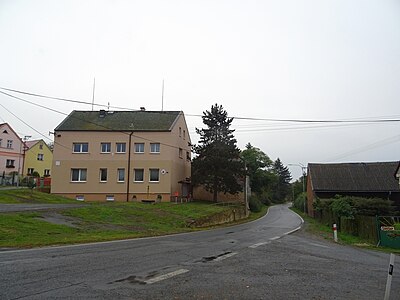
(335, 233)
(389, 278)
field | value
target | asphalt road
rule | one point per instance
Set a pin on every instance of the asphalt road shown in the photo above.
(258, 260)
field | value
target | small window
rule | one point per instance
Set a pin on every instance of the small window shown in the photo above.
(46, 172)
(139, 147)
(154, 147)
(103, 175)
(1, 140)
(10, 163)
(139, 175)
(180, 153)
(80, 147)
(121, 175)
(78, 175)
(40, 156)
(105, 147)
(180, 131)
(30, 171)
(154, 175)
(121, 147)
(109, 197)
(41, 146)
(184, 134)
(80, 197)
(188, 155)
(9, 144)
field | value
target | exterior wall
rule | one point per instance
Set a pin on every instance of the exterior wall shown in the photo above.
(199, 193)
(10, 153)
(31, 158)
(172, 168)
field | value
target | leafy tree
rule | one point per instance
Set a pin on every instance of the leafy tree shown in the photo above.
(282, 186)
(217, 165)
(258, 164)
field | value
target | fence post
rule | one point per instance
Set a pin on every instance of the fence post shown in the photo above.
(335, 233)
(389, 278)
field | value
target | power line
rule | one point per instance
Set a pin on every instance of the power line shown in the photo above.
(357, 120)
(65, 114)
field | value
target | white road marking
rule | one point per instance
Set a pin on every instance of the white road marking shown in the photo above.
(259, 244)
(274, 238)
(225, 256)
(318, 245)
(294, 230)
(165, 276)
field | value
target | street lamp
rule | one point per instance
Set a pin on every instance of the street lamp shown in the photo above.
(304, 174)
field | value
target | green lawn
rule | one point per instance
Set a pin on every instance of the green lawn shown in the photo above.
(25, 195)
(316, 228)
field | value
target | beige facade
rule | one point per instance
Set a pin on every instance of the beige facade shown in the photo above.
(112, 165)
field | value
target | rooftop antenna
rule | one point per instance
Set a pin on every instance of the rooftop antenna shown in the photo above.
(162, 96)
(94, 86)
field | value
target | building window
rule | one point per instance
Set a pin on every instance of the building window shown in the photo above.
(154, 175)
(103, 175)
(0, 142)
(121, 175)
(180, 153)
(121, 147)
(109, 197)
(139, 147)
(139, 175)
(180, 131)
(184, 134)
(10, 163)
(41, 146)
(40, 156)
(154, 147)
(9, 144)
(46, 172)
(105, 147)
(81, 147)
(78, 175)
(80, 197)
(187, 155)
(30, 171)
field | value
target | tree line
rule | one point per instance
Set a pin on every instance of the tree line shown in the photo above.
(220, 166)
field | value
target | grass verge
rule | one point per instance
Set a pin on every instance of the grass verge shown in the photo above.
(316, 228)
(24, 195)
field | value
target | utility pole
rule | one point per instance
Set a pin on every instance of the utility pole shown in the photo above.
(303, 175)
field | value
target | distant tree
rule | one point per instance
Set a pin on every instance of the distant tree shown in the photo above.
(282, 186)
(217, 165)
(258, 167)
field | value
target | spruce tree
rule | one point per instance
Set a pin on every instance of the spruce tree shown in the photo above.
(217, 165)
(282, 187)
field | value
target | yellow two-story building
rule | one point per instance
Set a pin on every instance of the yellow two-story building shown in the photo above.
(122, 156)
(38, 158)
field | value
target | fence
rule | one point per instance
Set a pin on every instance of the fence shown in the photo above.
(389, 231)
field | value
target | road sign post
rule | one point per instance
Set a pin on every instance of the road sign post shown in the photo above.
(389, 278)
(335, 233)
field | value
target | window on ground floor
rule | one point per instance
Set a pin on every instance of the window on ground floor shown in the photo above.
(121, 175)
(138, 175)
(103, 175)
(154, 175)
(78, 175)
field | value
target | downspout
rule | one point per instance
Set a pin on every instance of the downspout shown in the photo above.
(129, 167)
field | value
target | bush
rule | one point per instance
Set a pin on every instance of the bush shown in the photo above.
(265, 198)
(255, 204)
(342, 207)
(300, 200)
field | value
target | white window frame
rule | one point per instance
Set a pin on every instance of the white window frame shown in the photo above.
(80, 197)
(118, 147)
(137, 145)
(103, 171)
(9, 144)
(46, 172)
(110, 198)
(81, 172)
(134, 175)
(119, 170)
(80, 149)
(105, 147)
(30, 171)
(151, 170)
(155, 147)
(40, 156)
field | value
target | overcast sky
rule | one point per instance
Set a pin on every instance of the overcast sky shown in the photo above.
(280, 59)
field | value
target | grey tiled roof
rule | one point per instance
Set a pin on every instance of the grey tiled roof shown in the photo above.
(354, 177)
(119, 121)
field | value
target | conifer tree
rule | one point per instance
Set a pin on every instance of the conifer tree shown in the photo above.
(282, 187)
(217, 165)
